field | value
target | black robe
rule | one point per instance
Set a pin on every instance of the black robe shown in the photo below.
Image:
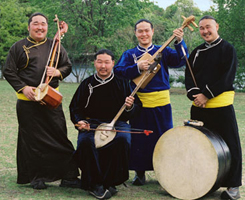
(97, 101)
(44, 152)
(214, 66)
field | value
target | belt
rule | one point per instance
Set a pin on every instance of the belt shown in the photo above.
(222, 100)
(154, 99)
(21, 96)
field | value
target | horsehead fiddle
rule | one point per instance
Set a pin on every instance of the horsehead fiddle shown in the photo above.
(44, 93)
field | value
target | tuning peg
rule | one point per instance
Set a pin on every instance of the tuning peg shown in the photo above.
(189, 20)
(191, 29)
(194, 24)
(56, 18)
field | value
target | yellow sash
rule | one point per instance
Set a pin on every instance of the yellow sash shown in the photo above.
(222, 100)
(154, 99)
(21, 96)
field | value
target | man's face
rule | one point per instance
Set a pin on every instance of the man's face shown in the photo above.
(144, 33)
(208, 29)
(38, 28)
(104, 65)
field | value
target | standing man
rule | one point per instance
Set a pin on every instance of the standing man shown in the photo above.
(43, 151)
(98, 100)
(214, 65)
(156, 114)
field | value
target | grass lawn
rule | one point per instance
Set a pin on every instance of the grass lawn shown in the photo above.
(152, 190)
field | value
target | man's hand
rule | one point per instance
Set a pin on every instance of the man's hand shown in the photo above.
(143, 65)
(51, 71)
(200, 100)
(82, 125)
(178, 33)
(129, 101)
(28, 91)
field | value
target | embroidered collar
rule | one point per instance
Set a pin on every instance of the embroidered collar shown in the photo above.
(30, 39)
(145, 49)
(100, 80)
(213, 43)
(208, 46)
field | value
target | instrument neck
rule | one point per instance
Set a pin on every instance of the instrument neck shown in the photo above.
(51, 63)
(163, 46)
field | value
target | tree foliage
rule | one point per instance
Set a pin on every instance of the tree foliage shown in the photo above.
(231, 19)
(13, 18)
(96, 24)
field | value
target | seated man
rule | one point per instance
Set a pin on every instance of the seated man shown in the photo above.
(98, 100)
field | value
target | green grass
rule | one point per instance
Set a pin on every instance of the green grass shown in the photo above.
(152, 190)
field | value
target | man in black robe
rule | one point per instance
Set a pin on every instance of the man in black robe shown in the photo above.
(214, 65)
(43, 151)
(97, 100)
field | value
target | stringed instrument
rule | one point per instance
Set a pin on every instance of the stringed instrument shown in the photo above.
(149, 57)
(45, 94)
(105, 132)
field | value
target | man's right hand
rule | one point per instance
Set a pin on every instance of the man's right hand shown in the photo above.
(29, 92)
(143, 65)
(82, 125)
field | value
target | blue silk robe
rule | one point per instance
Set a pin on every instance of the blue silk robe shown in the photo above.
(154, 117)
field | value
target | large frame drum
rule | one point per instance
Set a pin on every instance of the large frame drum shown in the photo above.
(190, 162)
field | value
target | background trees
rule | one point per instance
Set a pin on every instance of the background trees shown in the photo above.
(95, 24)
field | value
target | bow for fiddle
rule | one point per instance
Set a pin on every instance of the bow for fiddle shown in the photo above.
(45, 94)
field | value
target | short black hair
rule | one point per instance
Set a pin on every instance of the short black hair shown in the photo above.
(207, 17)
(36, 14)
(104, 51)
(143, 20)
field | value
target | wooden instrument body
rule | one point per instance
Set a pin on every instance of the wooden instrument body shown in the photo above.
(190, 162)
(149, 57)
(45, 94)
(48, 96)
(103, 137)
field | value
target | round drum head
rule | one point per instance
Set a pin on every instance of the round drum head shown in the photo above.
(185, 162)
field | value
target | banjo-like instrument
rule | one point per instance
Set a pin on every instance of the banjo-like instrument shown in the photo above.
(105, 132)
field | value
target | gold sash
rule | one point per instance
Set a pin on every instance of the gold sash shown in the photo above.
(154, 99)
(222, 100)
(21, 96)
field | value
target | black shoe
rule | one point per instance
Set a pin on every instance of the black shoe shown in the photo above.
(113, 190)
(39, 185)
(99, 192)
(75, 183)
(231, 193)
(138, 180)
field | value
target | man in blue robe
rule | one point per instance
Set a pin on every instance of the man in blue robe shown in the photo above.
(156, 113)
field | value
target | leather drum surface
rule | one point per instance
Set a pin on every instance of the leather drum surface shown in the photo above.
(190, 162)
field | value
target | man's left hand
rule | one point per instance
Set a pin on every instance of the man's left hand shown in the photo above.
(51, 71)
(200, 100)
(129, 102)
(178, 33)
